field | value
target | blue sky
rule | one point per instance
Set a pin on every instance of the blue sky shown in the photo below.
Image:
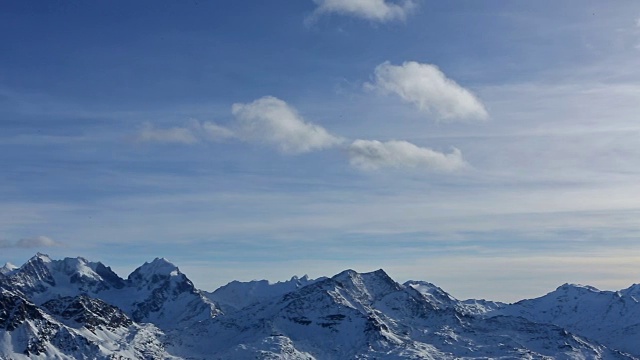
(489, 147)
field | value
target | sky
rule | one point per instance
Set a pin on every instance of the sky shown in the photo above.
(491, 148)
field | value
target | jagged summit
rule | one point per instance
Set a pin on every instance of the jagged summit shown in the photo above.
(295, 278)
(372, 285)
(158, 267)
(7, 268)
(74, 308)
(352, 275)
(42, 275)
(43, 257)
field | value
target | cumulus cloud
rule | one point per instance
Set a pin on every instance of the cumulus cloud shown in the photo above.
(267, 120)
(374, 155)
(194, 133)
(272, 121)
(426, 87)
(374, 10)
(29, 243)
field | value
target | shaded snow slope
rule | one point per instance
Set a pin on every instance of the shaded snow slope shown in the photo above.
(155, 292)
(611, 318)
(74, 308)
(237, 295)
(370, 316)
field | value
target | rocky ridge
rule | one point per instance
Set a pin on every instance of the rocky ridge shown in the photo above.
(74, 308)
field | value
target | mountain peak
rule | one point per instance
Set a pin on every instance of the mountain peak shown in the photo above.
(159, 266)
(346, 274)
(7, 268)
(42, 257)
(632, 292)
(576, 287)
(160, 271)
(296, 278)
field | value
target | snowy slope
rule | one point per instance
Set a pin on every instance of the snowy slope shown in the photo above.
(74, 308)
(7, 268)
(237, 295)
(611, 318)
(156, 292)
(442, 300)
(370, 316)
(73, 328)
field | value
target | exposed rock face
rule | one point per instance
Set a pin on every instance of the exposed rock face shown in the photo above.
(166, 297)
(74, 308)
(88, 312)
(15, 310)
(611, 318)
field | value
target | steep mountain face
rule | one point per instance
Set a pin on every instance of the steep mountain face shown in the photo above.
(370, 316)
(73, 308)
(90, 329)
(166, 297)
(611, 318)
(6, 269)
(156, 292)
(88, 312)
(42, 278)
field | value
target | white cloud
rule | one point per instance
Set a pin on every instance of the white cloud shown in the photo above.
(214, 131)
(267, 120)
(195, 132)
(373, 155)
(374, 10)
(272, 121)
(29, 243)
(425, 86)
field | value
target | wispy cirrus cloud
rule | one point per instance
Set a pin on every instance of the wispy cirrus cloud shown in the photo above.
(374, 155)
(428, 88)
(29, 243)
(177, 135)
(374, 10)
(194, 132)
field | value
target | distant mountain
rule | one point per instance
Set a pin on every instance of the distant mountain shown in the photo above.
(237, 295)
(74, 308)
(611, 318)
(72, 328)
(7, 268)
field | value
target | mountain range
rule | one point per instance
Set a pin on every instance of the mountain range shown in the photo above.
(77, 309)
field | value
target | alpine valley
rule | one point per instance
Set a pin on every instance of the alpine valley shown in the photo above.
(78, 309)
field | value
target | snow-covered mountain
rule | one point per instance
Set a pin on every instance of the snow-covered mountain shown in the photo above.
(156, 292)
(370, 316)
(72, 328)
(611, 318)
(237, 295)
(7, 268)
(74, 308)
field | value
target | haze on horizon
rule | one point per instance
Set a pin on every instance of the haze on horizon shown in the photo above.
(490, 148)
